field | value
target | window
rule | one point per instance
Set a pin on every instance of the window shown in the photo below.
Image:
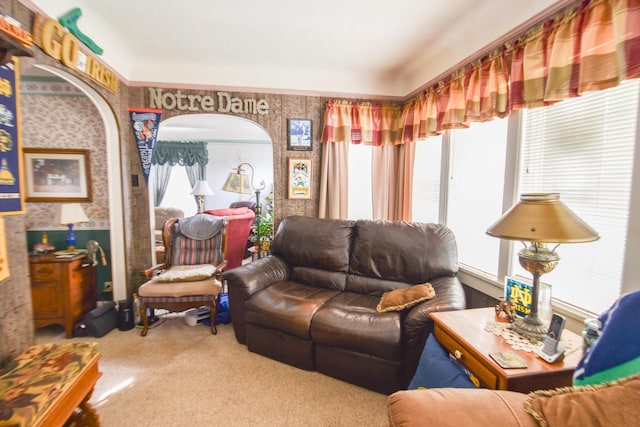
(583, 148)
(360, 204)
(475, 191)
(426, 180)
(176, 194)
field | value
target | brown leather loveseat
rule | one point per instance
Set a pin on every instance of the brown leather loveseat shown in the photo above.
(313, 302)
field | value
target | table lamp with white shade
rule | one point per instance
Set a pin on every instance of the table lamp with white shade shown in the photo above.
(200, 190)
(70, 214)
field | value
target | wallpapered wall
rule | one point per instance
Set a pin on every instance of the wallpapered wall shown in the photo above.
(61, 128)
(55, 114)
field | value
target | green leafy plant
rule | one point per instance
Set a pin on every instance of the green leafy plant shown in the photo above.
(265, 227)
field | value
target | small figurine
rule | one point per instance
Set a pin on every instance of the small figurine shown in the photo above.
(505, 311)
(43, 246)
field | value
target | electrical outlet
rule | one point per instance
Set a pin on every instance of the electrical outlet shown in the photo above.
(108, 287)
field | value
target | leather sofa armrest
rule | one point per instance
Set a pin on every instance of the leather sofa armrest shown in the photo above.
(449, 296)
(257, 275)
(244, 281)
(457, 407)
(418, 325)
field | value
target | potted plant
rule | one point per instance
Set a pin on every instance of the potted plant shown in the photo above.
(264, 227)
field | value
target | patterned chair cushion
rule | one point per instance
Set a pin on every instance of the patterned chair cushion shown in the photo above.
(209, 286)
(185, 273)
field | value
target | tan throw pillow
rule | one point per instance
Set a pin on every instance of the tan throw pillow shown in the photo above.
(399, 299)
(185, 273)
(614, 404)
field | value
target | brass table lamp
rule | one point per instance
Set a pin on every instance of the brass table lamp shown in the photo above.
(540, 218)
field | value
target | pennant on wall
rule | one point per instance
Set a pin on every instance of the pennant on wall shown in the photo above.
(10, 162)
(144, 123)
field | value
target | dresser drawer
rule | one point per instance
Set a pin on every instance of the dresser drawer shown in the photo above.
(45, 272)
(468, 359)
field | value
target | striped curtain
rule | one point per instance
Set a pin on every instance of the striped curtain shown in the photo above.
(610, 43)
(337, 122)
(360, 122)
(454, 102)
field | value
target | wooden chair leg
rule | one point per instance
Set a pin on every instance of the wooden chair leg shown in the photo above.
(214, 331)
(145, 320)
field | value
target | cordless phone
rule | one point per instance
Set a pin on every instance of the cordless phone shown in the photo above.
(551, 351)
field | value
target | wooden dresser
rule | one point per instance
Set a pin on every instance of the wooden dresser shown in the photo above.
(62, 290)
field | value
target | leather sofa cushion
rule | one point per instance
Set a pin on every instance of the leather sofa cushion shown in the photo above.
(350, 321)
(403, 252)
(286, 306)
(319, 278)
(308, 242)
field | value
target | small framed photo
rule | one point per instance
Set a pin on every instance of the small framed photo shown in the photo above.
(520, 292)
(299, 135)
(57, 175)
(299, 179)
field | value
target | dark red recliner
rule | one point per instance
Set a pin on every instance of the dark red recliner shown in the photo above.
(240, 222)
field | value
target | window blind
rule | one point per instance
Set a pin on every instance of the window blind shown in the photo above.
(426, 180)
(476, 182)
(583, 148)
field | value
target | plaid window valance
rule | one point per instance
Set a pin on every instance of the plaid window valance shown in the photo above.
(593, 45)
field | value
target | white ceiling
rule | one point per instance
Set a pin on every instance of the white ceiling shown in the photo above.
(374, 48)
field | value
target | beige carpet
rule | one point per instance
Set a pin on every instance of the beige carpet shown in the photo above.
(180, 375)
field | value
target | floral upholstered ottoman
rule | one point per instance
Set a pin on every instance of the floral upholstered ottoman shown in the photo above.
(44, 385)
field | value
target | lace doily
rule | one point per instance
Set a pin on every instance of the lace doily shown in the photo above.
(517, 341)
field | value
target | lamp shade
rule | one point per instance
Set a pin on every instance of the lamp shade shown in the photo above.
(70, 213)
(237, 182)
(202, 189)
(542, 217)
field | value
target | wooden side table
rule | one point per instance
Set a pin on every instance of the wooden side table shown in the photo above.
(463, 335)
(62, 290)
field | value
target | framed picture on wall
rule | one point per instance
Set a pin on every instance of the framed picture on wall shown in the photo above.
(57, 175)
(299, 179)
(299, 135)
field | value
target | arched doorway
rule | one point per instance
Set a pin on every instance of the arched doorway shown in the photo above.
(113, 158)
(230, 141)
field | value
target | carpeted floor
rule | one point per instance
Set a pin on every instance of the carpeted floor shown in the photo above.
(180, 375)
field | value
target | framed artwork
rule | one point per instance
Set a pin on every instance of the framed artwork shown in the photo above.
(299, 179)
(299, 135)
(57, 175)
